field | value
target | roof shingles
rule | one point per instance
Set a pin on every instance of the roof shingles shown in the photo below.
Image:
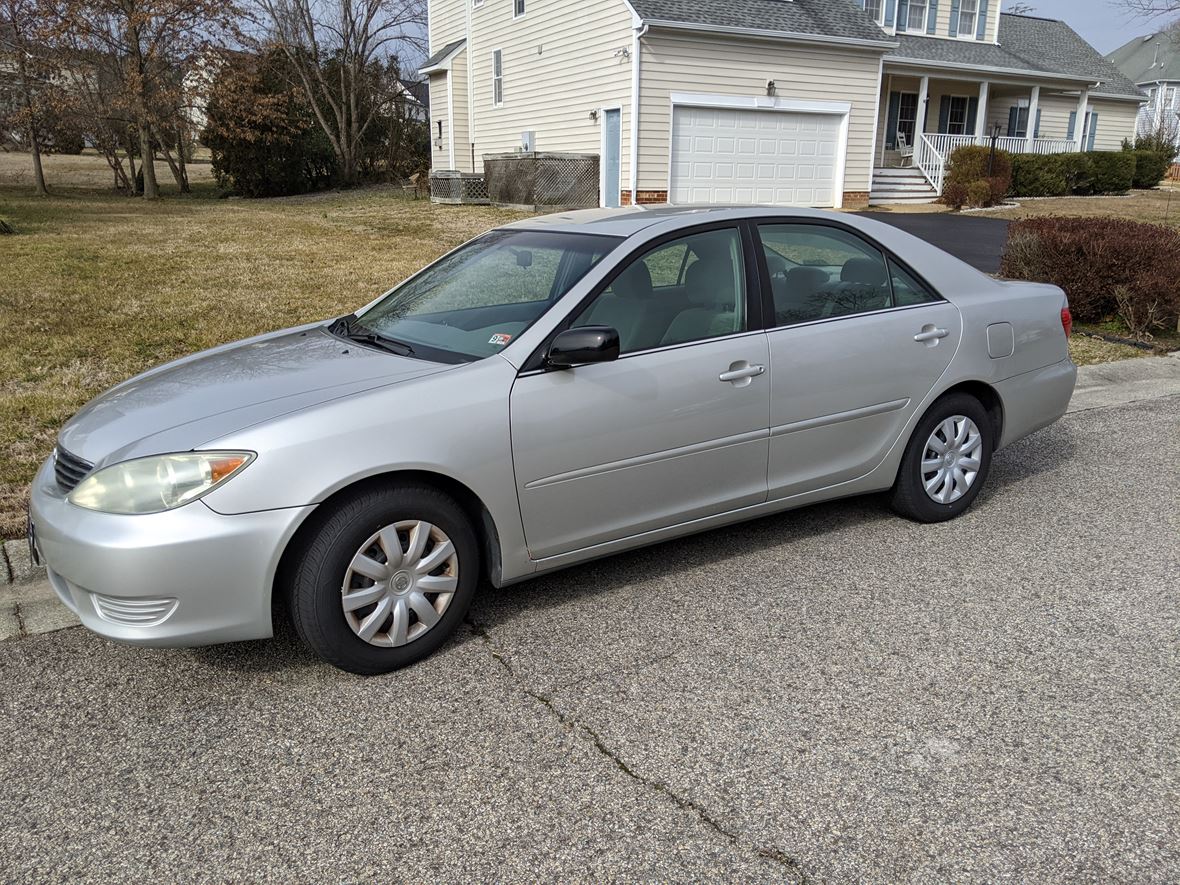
(822, 18)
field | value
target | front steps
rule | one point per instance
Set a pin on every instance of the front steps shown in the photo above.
(900, 185)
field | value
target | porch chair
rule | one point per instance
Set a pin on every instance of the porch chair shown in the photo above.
(905, 150)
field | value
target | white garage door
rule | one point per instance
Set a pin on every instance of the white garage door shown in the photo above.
(722, 155)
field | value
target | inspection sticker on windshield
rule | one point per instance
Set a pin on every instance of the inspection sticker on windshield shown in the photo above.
(500, 339)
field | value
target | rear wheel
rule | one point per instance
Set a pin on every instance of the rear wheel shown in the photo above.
(946, 461)
(384, 580)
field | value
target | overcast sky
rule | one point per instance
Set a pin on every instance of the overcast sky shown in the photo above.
(1102, 22)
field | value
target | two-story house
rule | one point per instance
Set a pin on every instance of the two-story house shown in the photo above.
(791, 102)
(1153, 64)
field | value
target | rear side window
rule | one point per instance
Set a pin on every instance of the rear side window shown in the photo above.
(907, 291)
(819, 273)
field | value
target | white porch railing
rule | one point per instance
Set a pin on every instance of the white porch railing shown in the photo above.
(932, 150)
(930, 160)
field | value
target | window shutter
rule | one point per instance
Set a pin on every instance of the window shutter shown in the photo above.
(1073, 122)
(1013, 121)
(890, 12)
(944, 115)
(932, 18)
(891, 120)
(972, 114)
(981, 32)
(903, 14)
(954, 30)
(1037, 125)
(1093, 131)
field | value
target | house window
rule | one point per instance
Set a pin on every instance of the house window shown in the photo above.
(1170, 100)
(956, 123)
(916, 21)
(497, 77)
(907, 116)
(875, 8)
(968, 17)
(517, 8)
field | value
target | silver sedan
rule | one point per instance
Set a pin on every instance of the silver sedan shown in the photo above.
(556, 390)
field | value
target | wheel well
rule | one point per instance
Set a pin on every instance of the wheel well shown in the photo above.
(473, 508)
(990, 400)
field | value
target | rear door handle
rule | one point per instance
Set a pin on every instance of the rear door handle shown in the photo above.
(931, 335)
(739, 374)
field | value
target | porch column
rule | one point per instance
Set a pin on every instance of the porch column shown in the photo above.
(923, 97)
(981, 113)
(1033, 102)
(1079, 128)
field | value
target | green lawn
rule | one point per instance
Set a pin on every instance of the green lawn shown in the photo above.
(95, 287)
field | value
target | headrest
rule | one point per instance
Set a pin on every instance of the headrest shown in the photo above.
(867, 271)
(775, 263)
(807, 279)
(709, 281)
(634, 282)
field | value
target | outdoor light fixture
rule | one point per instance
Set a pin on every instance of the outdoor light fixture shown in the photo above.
(594, 115)
(770, 88)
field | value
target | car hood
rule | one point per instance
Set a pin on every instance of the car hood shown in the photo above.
(187, 403)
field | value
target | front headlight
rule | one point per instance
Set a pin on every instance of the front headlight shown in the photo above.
(158, 483)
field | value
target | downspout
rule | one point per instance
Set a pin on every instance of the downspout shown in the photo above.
(638, 34)
(470, 49)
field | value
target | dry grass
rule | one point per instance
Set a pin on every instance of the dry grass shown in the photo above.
(1161, 206)
(96, 287)
(1089, 351)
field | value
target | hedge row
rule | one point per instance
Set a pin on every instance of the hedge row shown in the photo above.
(1107, 267)
(1087, 174)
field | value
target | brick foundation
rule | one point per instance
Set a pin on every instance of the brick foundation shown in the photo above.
(644, 197)
(856, 199)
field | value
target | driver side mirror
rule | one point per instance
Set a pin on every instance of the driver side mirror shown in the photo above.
(585, 344)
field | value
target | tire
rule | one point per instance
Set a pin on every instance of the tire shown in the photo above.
(404, 607)
(949, 498)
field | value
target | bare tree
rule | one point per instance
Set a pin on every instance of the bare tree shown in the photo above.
(20, 23)
(331, 45)
(138, 47)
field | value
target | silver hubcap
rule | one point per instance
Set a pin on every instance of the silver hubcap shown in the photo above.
(952, 459)
(399, 583)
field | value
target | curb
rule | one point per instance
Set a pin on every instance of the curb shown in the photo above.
(1100, 386)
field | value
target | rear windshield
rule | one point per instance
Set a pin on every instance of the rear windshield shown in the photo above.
(473, 302)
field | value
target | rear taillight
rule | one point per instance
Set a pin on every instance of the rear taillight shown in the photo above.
(1066, 321)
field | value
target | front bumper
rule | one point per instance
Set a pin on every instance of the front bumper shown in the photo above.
(185, 577)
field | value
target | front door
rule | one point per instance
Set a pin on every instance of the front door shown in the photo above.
(612, 149)
(675, 429)
(858, 343)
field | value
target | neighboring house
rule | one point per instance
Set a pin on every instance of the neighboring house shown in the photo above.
(792, 102)
(414, 98)
(1153, 64)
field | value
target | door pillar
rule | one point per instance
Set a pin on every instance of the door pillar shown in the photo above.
(981, 112)
(1033, 105)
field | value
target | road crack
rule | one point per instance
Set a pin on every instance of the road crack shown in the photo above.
(789, 863)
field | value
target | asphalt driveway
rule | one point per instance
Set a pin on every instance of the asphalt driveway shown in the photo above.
(832, 694)
(978, 241)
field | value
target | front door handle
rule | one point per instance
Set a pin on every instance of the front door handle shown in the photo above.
(930, 333)
(741, 371)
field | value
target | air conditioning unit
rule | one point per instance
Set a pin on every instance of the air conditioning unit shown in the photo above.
(528, 142)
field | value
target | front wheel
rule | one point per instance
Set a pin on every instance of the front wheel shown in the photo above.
(946, 461)
(385, 578)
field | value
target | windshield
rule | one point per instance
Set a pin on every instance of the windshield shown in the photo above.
(472, 303)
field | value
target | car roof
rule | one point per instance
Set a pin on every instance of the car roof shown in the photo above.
(630, 221)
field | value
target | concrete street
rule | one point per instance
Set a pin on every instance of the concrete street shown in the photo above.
(833, 694)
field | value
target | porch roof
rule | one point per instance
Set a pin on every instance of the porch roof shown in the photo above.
(1037, 46)
(440, 60)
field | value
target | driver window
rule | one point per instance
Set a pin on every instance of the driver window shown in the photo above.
(689, 289)
(819, 272)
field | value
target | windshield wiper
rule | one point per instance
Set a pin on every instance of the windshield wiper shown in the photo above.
(348, 327)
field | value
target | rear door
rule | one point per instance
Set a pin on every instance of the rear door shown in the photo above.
(856, 343)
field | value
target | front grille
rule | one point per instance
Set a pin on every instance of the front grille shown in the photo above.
(69, 470)
(133, 612)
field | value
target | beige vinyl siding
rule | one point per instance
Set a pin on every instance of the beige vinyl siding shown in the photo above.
(1116, 121)
(450, 107)
(683, 63)
(447, 22)
(943, 19)
(561, 60)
